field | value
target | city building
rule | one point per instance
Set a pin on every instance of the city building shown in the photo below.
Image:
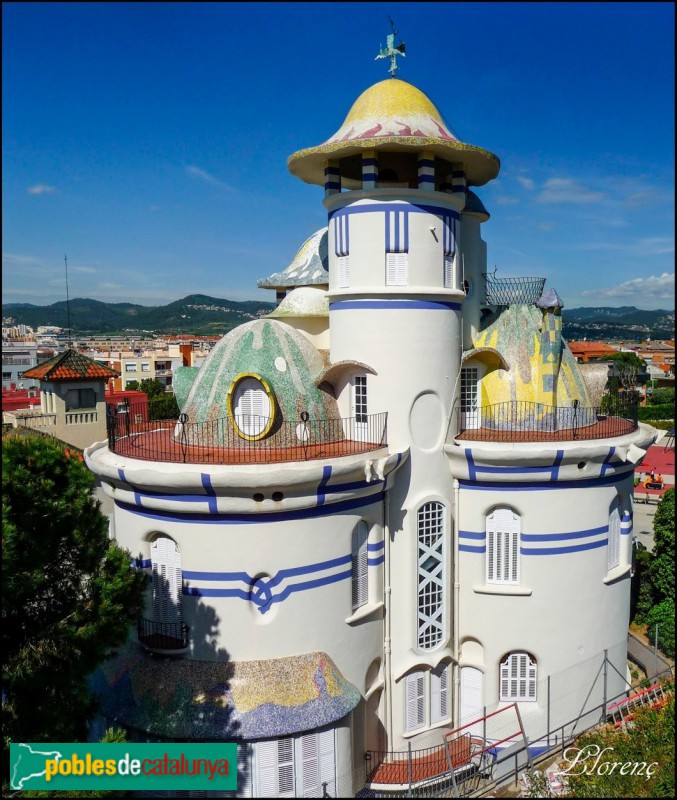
(387, 507)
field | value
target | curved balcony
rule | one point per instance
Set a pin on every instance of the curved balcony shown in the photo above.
(518, 421)
(513, 291)
(248, 441)
(164, 637)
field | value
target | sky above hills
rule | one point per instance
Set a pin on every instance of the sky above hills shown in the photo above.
(148, 141)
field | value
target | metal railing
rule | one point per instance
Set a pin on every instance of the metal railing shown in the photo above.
(162, 635)
(244, 439)
(521, 421)
(506, 291)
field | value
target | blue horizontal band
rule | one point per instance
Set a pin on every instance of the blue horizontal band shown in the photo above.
(364, 305)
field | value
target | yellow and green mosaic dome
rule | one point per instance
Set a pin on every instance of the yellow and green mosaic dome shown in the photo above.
(393, 115)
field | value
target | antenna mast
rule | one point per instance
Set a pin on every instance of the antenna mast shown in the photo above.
(68, 303)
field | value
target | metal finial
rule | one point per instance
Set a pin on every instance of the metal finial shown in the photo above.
(391, 50)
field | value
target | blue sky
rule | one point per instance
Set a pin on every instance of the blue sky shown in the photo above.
(149, 141)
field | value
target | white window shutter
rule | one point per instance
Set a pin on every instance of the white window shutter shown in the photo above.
(471, 694)
(266, 768)
(343, 271)
(518, 675)
(285, 767)
(503, 535)
(448, 272)
(397, 269)
(415, 700)
(614, 538)
(327, 758)
(167, 579)
(360, 569)
(251, 407)
(310, 766)
(439, 693)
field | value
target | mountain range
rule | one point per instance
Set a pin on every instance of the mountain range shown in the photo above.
(201, 314)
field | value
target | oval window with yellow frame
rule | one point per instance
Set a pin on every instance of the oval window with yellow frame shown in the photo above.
(251, 406)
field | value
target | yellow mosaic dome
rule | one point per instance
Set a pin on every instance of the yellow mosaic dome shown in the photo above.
(394, 115)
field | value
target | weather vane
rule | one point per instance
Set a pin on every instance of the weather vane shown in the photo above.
(391, 50)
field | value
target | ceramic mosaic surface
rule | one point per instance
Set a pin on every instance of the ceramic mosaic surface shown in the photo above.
(279, 354)
(189, 699)
(517, 335)
(306, 301)
(310, 266)
(393, 112)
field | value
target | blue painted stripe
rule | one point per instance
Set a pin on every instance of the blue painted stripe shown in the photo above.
(468, 548)
(626, 532)
(369, 176)
(332, 185)
(412, 208)
(472, 534)
(374, 562)
(194, 591)
(142, 563)
(191, 575)
(121, 474)
(527, 486)
(369, 162)
(336, 488)
(552, 537)
(294, 571)
(373, 547)
(471, 465)
(428, 305)
(326, 474)
(426, 162)
(207, 485)
(551, 551)
(606, 464)
(256, 519)
(556, 464)
(426, 179)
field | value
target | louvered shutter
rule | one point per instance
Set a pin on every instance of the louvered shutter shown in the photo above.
(310, 767)
(327, 757)
(397, 269)
(448, 271)
(285, 767)
(251, 408)
(503, 532)
(439, 693)
(415, 701)
(614, 539)
(505, 680)
(343, 271)
(167, 579)
(360, 576)
(244, 771)
(266, 768)
(518, 677)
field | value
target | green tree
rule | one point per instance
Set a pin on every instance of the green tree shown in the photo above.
(132, 386)
(152, 387)
(68, 596)
(628, 370)
(663, 616)
(661, 396)
(649, 741)
(662, 567)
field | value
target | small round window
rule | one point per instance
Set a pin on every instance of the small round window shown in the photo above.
(467, 287)
(251, 406)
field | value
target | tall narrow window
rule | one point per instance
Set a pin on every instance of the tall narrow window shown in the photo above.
(341, 226)
(449, 247)
(359, 565)
(343, 263)
(414, 687)
(439, 694)
(397, 248)
(614, 540)
(295, 766)
(275, 768)
(448, 272)
(518, 677)
(503, 533)
(470, 410)
(397, 269)
(430, 575)
(167, 580)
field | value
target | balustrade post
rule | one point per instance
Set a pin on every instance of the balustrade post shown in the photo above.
(183, 418)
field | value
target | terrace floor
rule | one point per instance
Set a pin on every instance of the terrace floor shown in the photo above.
(604, 429)
(159, 445)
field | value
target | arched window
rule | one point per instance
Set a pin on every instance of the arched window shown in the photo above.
(431, 620)
(614, 539)
(167, 580)
(360, 576)
(503, 534)
(518, 677)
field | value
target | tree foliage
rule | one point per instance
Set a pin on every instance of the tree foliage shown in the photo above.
(662, 616)
(662, 568)
(661, 396)
(69, 595)
(649, 741)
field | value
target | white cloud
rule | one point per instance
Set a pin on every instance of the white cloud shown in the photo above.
(506, 200)
(640, 290)
(19, 260)
(647, 246)
(41, 188)
(203, 175)
(567, 190)
(526, 183)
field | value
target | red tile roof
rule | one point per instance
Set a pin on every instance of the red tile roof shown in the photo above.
(70, 366)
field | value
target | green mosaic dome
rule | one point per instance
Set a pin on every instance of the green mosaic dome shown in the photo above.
(275, 356)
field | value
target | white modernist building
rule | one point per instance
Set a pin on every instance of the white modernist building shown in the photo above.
(391, 505)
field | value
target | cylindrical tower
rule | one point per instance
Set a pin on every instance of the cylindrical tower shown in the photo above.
(395, 180)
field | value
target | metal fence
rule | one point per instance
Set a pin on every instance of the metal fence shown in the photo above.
(244, 439)
(506, 291)
(516, 421)
(162, 635)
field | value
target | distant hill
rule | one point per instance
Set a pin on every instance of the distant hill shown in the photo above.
(625, 322)
(196, 314)
(203, 314)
